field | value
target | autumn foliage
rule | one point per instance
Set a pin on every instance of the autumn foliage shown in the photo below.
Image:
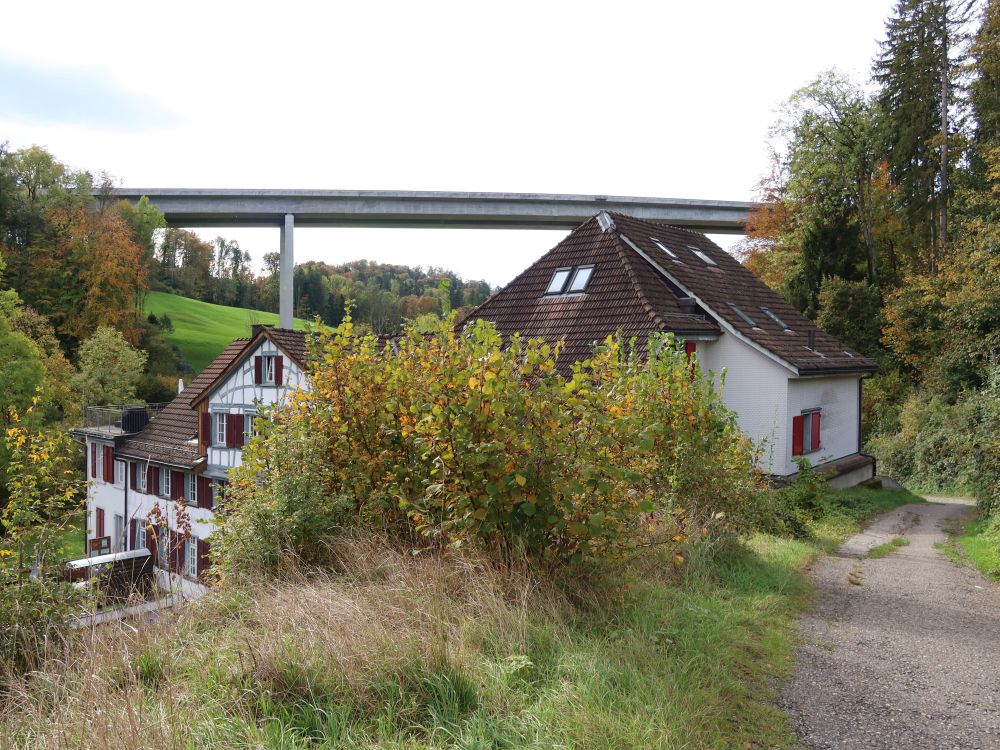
(458, 438)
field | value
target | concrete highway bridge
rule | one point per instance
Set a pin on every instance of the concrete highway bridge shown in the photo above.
(286, 209)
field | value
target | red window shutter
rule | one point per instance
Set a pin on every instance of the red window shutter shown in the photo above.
(798, 431)
(204, 493)
(131, 534)
(279, 366)
(258, 370)
(99, 522)
(133, 475)
(109, 464)
(152, 532)
(690, 347)
(239, 425)
(93, 460)
(815, 431)
(230, 437)
(204, 557)
(176, 556)
(176, 485)
(206, 429)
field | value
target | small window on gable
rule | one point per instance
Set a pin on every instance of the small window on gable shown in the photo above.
(267, 376)
(664, 248)
(559, 279)
(743, 316)
(220, 428)
(703, 255)
(580, 278)
(770, 313)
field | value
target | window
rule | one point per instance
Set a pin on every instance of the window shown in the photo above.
(99, 461)
(191, 489)
(220, 427)
(249, 428)
(580, 279)
(778, 321)
(140, 534)
(664, 248)
(701, 254)
(218, 492)
(120, 473)
(163, 546)
(559, 279)
(743, 316)
(572, 280)
(164, 482)
(191, 557)
(806, 432)
(119, 541)
(267, 375)
(140, 477)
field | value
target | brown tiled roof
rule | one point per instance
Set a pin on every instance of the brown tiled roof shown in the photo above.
(730, 281)
(167, 438)
(294, 343)
(630, 293)
(625, 294)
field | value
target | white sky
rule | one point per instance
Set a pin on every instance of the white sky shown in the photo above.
(660, 99)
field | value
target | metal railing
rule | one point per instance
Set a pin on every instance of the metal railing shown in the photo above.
(121, 419)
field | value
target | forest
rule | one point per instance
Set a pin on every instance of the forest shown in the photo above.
(880, 219)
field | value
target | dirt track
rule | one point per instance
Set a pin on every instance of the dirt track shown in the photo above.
(906, 656)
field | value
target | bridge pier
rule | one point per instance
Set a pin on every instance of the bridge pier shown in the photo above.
(286, 266)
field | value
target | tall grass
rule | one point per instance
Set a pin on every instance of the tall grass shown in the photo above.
(394, 650)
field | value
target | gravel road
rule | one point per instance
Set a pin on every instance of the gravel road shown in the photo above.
(901, 651)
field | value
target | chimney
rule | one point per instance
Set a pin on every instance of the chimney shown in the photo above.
(255, 329)
(811, 339)
(687, 305)
(180, 385)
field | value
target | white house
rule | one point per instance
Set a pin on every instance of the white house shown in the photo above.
(795, 389)
(151, 465)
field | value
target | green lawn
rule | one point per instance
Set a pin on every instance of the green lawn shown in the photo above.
(69, 544)
(202, 330)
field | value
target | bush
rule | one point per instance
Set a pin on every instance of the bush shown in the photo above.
(454, 438)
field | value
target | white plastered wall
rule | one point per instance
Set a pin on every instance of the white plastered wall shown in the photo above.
(837, 397)
(756, 388)
(238, 393)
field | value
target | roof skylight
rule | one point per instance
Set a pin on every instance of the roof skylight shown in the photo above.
(743, 316)
(769, 313)
(571, 280)
(580, 278)
(664, 248)
(559, 279)
(701, 254)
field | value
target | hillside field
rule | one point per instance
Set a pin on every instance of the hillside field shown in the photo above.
(202, 330)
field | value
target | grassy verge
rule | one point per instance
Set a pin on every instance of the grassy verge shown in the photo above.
(202, 330)
(975, 543)
(884, 550)
(397, 651)
(69, 543)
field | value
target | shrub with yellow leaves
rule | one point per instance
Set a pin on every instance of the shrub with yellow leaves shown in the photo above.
(458, 437)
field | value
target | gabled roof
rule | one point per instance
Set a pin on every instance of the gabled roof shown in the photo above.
(291, 343)
(624, 294)
(636, 289)
(172, 436)
(168, 437)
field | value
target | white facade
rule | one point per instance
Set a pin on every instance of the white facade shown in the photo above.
(121, 503)
(240, 395)
(766, 396)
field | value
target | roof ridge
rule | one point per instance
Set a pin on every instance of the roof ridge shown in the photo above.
(654, 224)
(640, 292)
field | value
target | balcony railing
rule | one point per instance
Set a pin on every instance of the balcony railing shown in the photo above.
(119, 420)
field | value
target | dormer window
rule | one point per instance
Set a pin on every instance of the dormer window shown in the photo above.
(769, 313)
(572, 280)
(703, 255)
(664, 248)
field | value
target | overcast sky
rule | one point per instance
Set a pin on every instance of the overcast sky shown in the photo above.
(659, 99)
